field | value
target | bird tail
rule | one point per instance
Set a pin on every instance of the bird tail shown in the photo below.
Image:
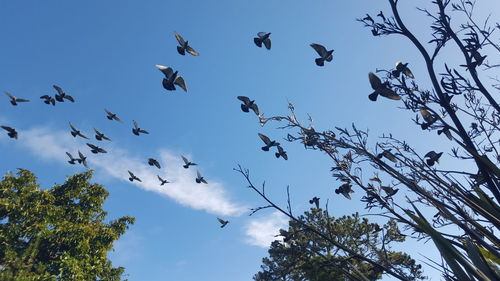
(265, 148)
(277, 155)
(267, 43)
(186, 166)
(73, 134)
(373, 96)
(320, 61)
(244, 108)
(181, 50)
(198, 181)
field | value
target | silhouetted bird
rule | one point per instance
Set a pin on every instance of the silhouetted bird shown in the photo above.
(281, 153)
(61, 95)
(402, 68)
(136, 130)
(268, 142)
(345, 189)
(263, 37)
(162, 181)
(380, 89)
(72, 160)
(100, 136)
(324, 54)
(95, 149)
(445, 130)
(389, 190)
(248, 104)
(75, 132)
(154, 162)
(171, 78)
(14, 100)
(200, 178)
(433, 157)
(222, 222)
(315, 200)
(187, 163)
(48, 100)
(133, 177)
(387, 154)
(112, 116)
(11, 132)
(428, 118)
(184, 46)
(82, 159)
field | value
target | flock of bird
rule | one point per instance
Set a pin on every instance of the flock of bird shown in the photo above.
(172, 79)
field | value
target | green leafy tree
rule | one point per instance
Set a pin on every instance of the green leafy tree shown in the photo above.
(305, 255)
(58, 233)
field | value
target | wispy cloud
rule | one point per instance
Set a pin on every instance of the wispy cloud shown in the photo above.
(51, 145)
(262, 231)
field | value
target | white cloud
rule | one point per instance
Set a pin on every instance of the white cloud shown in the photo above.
(52, 145)
(262, 231)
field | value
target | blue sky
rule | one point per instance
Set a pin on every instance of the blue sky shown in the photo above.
(103, 53)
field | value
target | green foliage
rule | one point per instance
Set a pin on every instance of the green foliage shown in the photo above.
(58, 233)
(305, 255)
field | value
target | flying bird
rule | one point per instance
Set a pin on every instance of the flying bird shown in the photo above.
(324, 54)
(428, 118)
(11, 132)
(248, 104)
(200, 178)
(171, 78)
(82, 159)
(187, 163)
(263, 37)
(222, 222)
(268, 142)
(112, 116)
(389, 190)
(48, 100)
(14, 100)
(95, 149)
(162, 181)
(315, 200)
(184, 46)
(100, 136)
(61, 95)
(388, 154)
(133, 177)
(433, 157)
(136, 130)
(402, 68)
(72, 160)
(75, 132)
(380, 89)
(345, 189)
(154, 162)
(281, 153)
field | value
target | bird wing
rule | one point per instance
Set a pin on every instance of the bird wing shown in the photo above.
(255, 108)
(185, 160)
(58, 89)
(221, 221)
(261, 34)
(70, 98)
(131, 174)
(198, 174)
(265, 139)
(244, 99)
(97, 132)
(388, 93)
(108, 112)
(136, 125)
(430, 154)
(167, 71)
(69, 155)
(179, 81)
(162, 180)
(320, 49)
(7, 128)
(375, 82)
(72, 127)
(92, 146)
(190, 50)
(22, 100)
(10, 96)
(267, 43)
(179, 39)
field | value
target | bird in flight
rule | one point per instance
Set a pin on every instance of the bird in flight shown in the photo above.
(82, 159)
(11, 132)
(380, 89)
(268, 142)
(95, 149)
(133, 177)
(281, 153)
(315, 201)
(345, 189)
(162, 181)
(154, 162)
(389, 190)
(248, 104)
(184, 46)
(100, 136)
(136, 130)
(187, 163)
(48, 100)
(433, 157)
(200, 178)
(324, 54)
(171, 78)
(112, 116)
(72, 160)
(263, 37)
(75, 132)
(222, 222)
(14, 100)
(61, 95)
(388, 154)
(402, 68)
